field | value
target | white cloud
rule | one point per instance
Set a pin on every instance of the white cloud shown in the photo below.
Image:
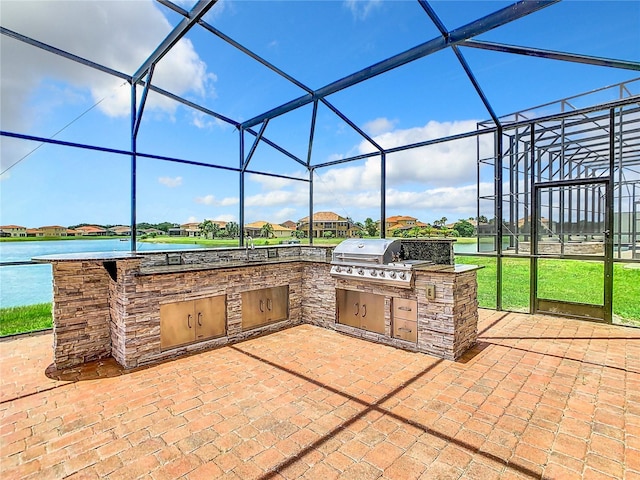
(379, 126)
(430, 182)
(212, 200)
(285, 214)
(360, 9)
(442, 164)
(170, 182)
(120, 35)
(202, 121)
(277, 198)
(225, 218)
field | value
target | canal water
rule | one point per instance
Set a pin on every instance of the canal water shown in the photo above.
(29, 284)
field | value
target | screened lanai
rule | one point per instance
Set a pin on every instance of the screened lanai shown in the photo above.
(521, 117)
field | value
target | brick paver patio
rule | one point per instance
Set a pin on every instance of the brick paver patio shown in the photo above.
(538, 397)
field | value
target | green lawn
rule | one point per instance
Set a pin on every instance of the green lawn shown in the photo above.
(25, 319)
(560, 280)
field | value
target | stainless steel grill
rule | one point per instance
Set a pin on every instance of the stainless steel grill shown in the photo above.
(375, 260)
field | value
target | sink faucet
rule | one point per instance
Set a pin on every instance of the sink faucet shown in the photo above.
(249, 244)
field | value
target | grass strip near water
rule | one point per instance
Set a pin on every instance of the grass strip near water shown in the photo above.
(25, 318)
(577, 281)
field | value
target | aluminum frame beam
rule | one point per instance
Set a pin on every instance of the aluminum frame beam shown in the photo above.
(459, 35)
(463, 62)
(553, 55)
(63, 53)
(83, 146)
(196, 13)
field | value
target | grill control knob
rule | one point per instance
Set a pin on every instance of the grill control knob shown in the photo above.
(392, 274)
(349, 270)
(361, 271)
(373, 273)
(403, 275)
(381, 273)
(338, 269)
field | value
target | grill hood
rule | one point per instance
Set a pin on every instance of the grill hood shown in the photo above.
(370, 251)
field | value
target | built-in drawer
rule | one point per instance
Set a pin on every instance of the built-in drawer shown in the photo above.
(405, 309)
(405, 330)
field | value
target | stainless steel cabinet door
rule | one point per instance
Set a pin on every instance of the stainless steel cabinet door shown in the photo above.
(372, 312)
(277, 299)
(177, 325)
(348, 304)
(210, 317)
(253, 309)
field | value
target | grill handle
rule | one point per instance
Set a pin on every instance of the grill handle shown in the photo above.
(343, 257)
(357, 307)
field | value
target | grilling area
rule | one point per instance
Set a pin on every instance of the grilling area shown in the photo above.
(142, 308)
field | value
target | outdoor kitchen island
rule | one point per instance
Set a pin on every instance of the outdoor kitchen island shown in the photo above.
(141, 308)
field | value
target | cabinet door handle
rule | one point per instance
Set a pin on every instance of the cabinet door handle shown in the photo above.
(189, 320)
(199, 319)
(357, 307)
(364, 310)
(402, 329)
(406, 309)
(269, 304)
(262, 306)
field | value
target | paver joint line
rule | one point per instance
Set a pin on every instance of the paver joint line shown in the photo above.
(537, 397)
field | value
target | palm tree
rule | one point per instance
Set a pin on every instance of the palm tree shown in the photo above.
(266, 230)
(206, 227)
(232, 229)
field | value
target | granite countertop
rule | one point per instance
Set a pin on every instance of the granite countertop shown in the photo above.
(458, 268)
(86, 257)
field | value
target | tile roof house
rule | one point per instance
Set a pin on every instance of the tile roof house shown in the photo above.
(92, 231)
(120, 230)
(52, 231)
(340, 227)
(402, 222)
(192, 229)
(13, 231)
(290, 224)
(34, 232)
(254, 229)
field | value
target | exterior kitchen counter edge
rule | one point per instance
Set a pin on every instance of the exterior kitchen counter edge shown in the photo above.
(458, 268)
(108, 304)
(162, 269)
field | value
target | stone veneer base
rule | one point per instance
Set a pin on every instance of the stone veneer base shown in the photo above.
(115, 311)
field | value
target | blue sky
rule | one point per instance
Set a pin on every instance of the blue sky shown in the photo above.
(315, 42)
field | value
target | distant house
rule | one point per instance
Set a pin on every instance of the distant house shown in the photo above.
(52, 231)
(13, 231)
(340, 227)
(120, 230)
(192, 229)
(402, 222)
(151, 231)
(255, 229)
(92, 231)
(290, 224)
(34, 232)
(73, 233)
